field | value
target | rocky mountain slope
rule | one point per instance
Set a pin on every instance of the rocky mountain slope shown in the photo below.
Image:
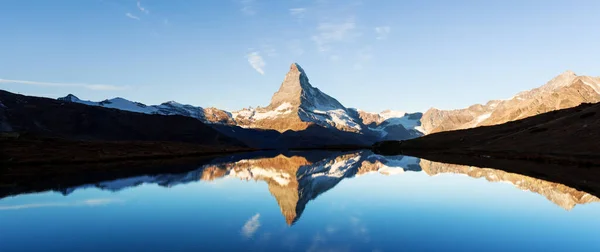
(567, 135)
(564, 91)
(296, 105)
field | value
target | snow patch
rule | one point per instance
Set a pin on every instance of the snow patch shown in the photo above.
(595, 86)
(403, 162)
(404, 121)
(390, 171)
(255, 173)
(284, 108)
(122, 104)
(167, 108)
(335, 117)
(244, 113)
(421, 130)
(387, 114)
(482, 118)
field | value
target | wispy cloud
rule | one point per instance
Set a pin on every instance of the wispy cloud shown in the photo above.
(251, 226)
(382, 32)
(97, 87)
(129, 15)
(89, 202)
(248, 7)
(257, 62)
(328, 33)
(298, 12)
(141, 8)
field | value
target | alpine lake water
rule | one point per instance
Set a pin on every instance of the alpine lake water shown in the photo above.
(307, 201)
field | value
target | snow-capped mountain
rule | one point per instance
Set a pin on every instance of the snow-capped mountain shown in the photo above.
(392, 125)
(208, 115)
(296, 106)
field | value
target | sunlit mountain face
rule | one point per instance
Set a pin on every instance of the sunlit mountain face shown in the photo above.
(296, 178)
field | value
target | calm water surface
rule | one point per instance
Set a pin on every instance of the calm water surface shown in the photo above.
(307, 201)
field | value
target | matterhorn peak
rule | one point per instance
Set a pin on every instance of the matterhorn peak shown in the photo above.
(297, 68)
(291, 88)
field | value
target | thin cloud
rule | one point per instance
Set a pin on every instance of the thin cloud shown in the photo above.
(257, 62)
(129, 15)
(298, 12)
(251, 226)
(89, 202)
(248, 7)
(382, 32)
(328, 33)
(96, 87)
(141, 8)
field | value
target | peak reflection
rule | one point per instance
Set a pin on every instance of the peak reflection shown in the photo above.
(296, 178)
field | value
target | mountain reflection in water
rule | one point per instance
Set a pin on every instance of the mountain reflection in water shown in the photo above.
(296, 178)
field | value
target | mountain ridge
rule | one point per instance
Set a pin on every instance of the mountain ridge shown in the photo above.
(296, 106)
(565, 90)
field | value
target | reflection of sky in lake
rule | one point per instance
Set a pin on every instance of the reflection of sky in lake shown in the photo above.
(371, 212)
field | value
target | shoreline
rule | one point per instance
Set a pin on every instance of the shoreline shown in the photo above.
(580, 159)
(32, 151)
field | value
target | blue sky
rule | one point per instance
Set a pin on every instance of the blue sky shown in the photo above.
(373, 55)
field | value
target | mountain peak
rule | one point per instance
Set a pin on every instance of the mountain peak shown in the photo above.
(297, 68)
(174, 103)
(563, 79)
(291, 88)
(69, 97)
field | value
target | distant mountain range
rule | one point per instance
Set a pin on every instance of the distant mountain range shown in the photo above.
(297, 105)
(297, 108)
(300, 115)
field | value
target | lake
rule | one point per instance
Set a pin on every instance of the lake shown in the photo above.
(306, 201)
